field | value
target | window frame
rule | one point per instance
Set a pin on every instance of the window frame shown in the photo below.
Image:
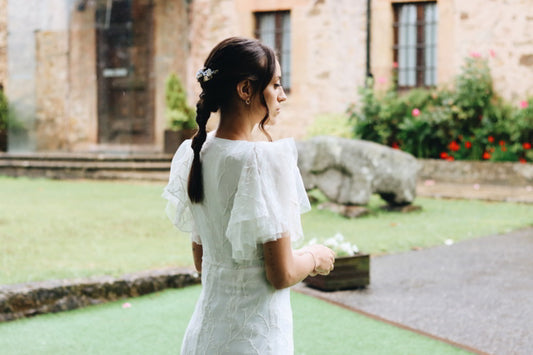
(278, 40)
(421, 46)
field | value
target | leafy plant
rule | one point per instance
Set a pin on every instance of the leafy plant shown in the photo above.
(469, 122)
(179, 114)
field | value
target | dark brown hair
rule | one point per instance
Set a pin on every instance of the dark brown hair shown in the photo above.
(232, 60)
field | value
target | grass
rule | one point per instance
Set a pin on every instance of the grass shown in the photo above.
(155, 324)
(438, 221)
(53, 229)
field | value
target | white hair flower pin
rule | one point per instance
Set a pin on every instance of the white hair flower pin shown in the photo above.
(205, 74)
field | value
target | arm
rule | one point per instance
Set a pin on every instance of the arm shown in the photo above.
(197, 253)
(285, 268)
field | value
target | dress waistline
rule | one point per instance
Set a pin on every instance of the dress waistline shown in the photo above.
(234, 266)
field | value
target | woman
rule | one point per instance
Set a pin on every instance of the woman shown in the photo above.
(241, 200)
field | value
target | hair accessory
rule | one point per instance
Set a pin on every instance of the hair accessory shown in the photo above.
(205, 74)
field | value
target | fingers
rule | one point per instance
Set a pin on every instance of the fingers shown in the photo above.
(325, 259)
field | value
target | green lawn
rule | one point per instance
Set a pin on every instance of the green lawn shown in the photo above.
(53, 229)
(155, 324)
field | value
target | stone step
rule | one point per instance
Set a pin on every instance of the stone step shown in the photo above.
(152, 167)
(157, 157)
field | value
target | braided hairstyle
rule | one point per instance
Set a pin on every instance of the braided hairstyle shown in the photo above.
(231, 61)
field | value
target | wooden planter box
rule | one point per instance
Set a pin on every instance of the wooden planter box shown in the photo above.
(173, 139)
(350, 272)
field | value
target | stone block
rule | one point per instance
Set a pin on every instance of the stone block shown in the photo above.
(349, 171)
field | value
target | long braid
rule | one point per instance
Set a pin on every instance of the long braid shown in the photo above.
(231, 61)
(195, 187)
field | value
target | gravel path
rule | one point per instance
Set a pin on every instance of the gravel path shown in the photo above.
(478, 293)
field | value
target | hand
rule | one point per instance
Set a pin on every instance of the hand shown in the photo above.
(324, 259)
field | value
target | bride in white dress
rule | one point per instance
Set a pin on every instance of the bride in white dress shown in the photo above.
(241, 200)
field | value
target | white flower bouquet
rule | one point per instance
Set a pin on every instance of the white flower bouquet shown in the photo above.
(337, 243)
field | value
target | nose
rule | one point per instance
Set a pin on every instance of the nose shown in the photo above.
(282, 97)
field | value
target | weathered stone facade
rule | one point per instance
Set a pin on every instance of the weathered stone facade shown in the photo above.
(3, 42)
(327, 50)
(50, 65)
(499, 30)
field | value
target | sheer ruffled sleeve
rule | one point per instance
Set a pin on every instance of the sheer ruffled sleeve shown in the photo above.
(179, 206)
(269, 199)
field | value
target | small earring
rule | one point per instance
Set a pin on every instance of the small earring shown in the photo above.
(247, 101)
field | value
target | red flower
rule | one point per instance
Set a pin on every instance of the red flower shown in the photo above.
(526, 145)
(443, 155)
(395, 145)
(449, 158)
(415, 112)
(522, 160)
(468, 145)
(492, 150)
(503, 148)
(502, 143)
(491, 139)
(454, 146)
(475, 54)
(486, 155)
(523, 104)
(395, 65)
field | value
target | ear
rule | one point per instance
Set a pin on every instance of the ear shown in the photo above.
(244, 89)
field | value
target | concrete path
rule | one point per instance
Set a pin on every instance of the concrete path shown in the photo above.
(478, 293)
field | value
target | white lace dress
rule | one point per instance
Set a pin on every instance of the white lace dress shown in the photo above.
(253, 194)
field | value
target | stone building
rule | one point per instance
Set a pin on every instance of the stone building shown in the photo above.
(89, 75)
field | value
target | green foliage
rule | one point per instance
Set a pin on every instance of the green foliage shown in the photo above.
(3, 111)
(336, 125)
(469, 123)
(179, 114)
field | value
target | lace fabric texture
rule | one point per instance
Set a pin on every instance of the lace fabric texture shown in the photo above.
(253, 194)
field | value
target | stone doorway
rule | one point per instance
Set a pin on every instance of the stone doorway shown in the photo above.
(124, 38)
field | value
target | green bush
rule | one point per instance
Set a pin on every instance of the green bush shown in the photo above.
(179, 114)
(469, 122)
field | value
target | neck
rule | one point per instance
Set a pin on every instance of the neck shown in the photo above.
(235, 125)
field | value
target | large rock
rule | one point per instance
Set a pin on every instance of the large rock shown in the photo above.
(349, 171)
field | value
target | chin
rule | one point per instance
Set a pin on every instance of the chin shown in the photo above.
(272, 120)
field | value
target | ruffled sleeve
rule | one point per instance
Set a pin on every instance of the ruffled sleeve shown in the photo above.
(269, 199)
(179, 206)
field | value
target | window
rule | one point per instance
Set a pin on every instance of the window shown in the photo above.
(415, 44)
(274, 30)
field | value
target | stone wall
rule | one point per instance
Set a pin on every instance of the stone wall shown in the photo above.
(327, 52)
(53, 85)
(51, 82)
(499, 30)
(24, 300)
(476, 172)
(81, 108)
(3, 42)
(171, 53)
